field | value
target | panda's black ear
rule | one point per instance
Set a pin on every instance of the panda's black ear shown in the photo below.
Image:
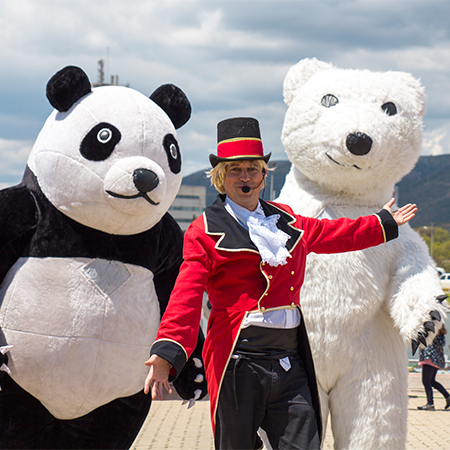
(174, 103)
(66, 87)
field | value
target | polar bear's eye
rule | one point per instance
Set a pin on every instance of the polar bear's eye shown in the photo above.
(389, 108)
(329, 100)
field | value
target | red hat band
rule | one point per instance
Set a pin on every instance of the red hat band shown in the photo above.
(237, 148)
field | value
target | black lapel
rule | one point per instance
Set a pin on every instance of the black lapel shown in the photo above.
(219, 222)
(234, 237)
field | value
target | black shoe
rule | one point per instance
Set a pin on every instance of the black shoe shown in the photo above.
(447, 403)
(427, 407)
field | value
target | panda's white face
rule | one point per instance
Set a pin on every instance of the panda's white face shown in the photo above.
(355, 132)
(112, 162)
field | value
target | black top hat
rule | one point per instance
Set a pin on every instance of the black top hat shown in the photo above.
(238, 139)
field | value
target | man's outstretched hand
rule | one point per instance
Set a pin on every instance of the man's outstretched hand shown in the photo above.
(403, 214)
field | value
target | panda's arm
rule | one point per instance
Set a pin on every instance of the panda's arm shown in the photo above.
(17, 224)
(190, 383)
(170, 259)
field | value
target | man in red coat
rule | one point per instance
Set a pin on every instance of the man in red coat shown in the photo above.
(250, 257)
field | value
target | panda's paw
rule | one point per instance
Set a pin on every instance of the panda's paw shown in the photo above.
(4, 359)
(429, 327)
(191, 383)
(191, 402)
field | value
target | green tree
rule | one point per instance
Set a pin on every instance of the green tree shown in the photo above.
(438, 241)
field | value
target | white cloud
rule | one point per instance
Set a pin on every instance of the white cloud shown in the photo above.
(13, 157)
(434, 142)
(230, 57)
(208, 31)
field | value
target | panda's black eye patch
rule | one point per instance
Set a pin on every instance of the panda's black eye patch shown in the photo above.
(389, 108)
(100, 142)
(173, 152)
(329, 100)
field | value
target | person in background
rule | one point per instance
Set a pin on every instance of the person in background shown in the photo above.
(431, 358)
(250, 256)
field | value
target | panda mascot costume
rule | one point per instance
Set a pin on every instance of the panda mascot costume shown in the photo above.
(88, 258)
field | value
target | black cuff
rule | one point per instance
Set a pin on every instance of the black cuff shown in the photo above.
(171, 352)
(389, 224)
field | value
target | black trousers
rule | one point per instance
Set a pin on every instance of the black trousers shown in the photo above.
(258, 392)
(429, 382)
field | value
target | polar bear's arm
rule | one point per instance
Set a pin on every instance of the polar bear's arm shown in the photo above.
(414, 286)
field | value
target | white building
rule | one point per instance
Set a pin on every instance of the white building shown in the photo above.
(189, 203)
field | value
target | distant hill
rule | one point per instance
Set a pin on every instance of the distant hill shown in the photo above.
(428, 185)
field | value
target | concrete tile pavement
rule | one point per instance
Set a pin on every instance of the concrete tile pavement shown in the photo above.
(427, 429)
(170, 425)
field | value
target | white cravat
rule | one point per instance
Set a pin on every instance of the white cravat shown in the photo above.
(271, 244)
(270, 241)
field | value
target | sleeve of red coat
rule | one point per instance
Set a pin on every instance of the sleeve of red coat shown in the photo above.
(177, 334)
(344, 235)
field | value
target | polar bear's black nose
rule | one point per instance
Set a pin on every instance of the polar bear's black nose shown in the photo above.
(359, 143)
(145, 180)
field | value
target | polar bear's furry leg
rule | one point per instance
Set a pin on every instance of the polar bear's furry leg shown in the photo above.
(324, 409)
(368, 406)
(367, 419)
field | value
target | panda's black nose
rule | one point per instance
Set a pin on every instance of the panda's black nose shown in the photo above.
(145, 180)
(359, 143)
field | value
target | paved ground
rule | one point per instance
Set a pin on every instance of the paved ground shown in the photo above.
(172, 426)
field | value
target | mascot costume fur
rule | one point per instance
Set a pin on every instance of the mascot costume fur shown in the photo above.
(88, 258)
(351, 135)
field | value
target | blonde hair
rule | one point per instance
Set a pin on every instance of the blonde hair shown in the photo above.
(218, 173)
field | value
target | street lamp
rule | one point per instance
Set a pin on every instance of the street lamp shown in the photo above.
(431, 238)
(272, 192)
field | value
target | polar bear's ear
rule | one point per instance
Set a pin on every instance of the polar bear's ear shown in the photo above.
(413, 92)
(299, 74)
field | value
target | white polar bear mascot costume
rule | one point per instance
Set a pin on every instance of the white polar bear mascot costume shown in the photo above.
(351, 135)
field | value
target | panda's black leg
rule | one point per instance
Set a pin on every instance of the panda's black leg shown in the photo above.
(23, 419)
(26, 423)
(112, 426)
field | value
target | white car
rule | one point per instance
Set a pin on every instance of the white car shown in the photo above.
(445, 281)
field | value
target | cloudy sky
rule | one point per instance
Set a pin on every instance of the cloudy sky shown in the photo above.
(229, 56)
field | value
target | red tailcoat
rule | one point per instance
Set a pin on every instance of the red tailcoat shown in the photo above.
(220, 257)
